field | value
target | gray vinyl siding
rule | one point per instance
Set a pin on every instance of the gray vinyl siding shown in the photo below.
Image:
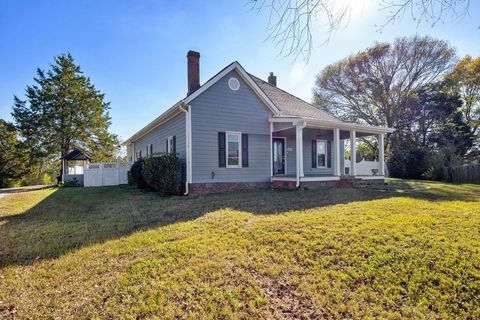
(158, 136)
(220, 109)
(342, 157)
(130, 152)
(309, 135)
(290, 150)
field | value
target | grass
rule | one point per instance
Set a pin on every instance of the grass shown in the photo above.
(406, 250)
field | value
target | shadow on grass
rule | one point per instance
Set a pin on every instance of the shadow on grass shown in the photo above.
(71, 218)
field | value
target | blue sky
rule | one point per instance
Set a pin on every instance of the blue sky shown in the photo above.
(135, 51)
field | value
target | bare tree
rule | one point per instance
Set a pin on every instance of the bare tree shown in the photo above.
(424, 11)
(376, 86)
(290, 22)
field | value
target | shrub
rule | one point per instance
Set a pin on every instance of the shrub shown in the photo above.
(442, 159)
(407, 161)
(71, 183)
(163, 173)
(135, 175)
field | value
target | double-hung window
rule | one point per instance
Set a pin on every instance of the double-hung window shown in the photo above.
(234, 149)
(321, 154)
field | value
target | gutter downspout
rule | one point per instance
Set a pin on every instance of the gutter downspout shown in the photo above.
(188, 122)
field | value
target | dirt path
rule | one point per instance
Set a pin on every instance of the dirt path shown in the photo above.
(6, 191)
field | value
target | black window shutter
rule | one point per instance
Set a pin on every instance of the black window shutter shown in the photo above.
(174, 141)
(166, 145)
(329, 154)
(244, 150)
(314, 153)
(151, 149)
(222, 163)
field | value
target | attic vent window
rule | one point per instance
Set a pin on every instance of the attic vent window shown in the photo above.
(234, 84)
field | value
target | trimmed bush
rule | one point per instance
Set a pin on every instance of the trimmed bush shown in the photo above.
(135, 175)
(163, 173)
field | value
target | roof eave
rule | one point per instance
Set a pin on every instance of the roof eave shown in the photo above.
(172, 111)
(334, 124)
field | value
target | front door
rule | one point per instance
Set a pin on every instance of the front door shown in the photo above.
(278, 156)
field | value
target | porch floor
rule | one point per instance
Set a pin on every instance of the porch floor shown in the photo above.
(317, 177)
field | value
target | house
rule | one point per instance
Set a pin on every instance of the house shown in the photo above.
(237, 130)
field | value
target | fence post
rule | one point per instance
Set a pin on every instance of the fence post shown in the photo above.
(85, 173)
(118, 168)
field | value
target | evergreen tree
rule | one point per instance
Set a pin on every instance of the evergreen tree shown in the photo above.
(465, 79)
(14, 159)
(64, 111)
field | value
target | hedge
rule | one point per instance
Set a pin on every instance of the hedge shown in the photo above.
(135, 175)
(163, 173)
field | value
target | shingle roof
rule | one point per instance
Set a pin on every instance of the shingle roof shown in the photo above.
(76, 155)
(290, 105)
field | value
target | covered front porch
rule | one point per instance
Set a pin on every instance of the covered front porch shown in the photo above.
(311, 150)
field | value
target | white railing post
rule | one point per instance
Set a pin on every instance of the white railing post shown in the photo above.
(353, 153)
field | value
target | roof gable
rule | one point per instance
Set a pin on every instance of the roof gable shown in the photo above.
(245, 77)
(290, 105)
(76, 155)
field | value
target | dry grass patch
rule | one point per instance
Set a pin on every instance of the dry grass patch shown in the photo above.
(406, 250)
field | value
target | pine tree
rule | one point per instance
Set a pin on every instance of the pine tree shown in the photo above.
(64, 111)
(13, 156)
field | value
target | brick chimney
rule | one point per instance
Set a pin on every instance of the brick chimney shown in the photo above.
(193, 71)
(272, 79)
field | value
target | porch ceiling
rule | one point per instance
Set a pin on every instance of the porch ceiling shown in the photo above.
(283, 123)
(290, 130)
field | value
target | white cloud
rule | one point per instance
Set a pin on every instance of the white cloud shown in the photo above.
(297, 73)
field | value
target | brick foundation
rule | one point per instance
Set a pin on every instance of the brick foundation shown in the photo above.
(205, 188)
(345, 182)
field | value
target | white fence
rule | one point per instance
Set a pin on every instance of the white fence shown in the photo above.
(105, 174)
(364, 168)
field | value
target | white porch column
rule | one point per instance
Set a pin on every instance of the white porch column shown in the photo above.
(353, 153)
(381, 154)
(299, 151)
(271, 151)
(336, 152)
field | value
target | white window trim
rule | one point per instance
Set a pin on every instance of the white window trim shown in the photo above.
(239, 135)
(326, 154)
(170, 144)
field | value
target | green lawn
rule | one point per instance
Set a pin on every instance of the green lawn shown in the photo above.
(406, 250)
